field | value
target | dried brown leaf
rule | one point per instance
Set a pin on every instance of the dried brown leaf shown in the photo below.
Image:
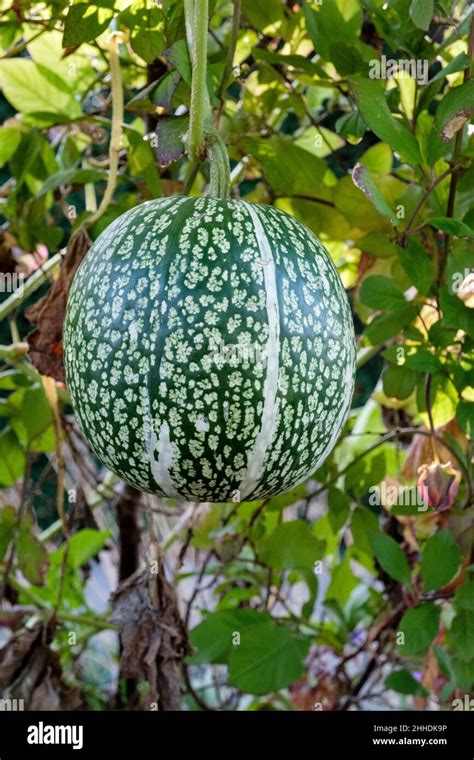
(152, 636)
(45, 341)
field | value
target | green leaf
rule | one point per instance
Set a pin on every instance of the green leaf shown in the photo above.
(178, 55)
(455, 109)
(378, 158)
(452, 227)
(85, 544)
(290, 545)
(71, 177)
(299, 174)
(419, 626)
(12, 458)
(421, 13)
(286, 499)
(465, 417)
(418, 265)
(32, 88)
(381, 293)
(411, 357)
(462, 633)
(343, 583)
(339, 507)
(387, 325)
(147, 43)
(443, 398)
(403, 682)
(363, 524)
(391, 557)
(7, 528)
(440, 560)
(374, 110)
(170, 132)
(9, 141)
(458, 63)
(351, 126)
(269, 657)
(363, 180)
(464, 596)
(262, 13)
(32, 555)
(213, 637)
(319, 141)
(455, 313)
(85, 22)
(322, 21)
(399, 382)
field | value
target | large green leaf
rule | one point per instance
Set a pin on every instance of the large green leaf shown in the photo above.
(213, 638)
(421, 13)
(374, 110)
(440, 560)
(32, 88)
(417, 264)
(455, 109)
(391, 557)
(291, 545)
(289, 169)
(381, 293)
(464, 596)
(269, 657)
(85, 22)
(419, 626)
(462, 633)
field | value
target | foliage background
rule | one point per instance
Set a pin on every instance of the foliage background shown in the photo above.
(336, 595)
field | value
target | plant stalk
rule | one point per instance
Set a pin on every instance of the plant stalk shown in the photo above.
(196, 136)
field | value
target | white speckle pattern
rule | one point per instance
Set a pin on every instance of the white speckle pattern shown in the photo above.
(164, 285)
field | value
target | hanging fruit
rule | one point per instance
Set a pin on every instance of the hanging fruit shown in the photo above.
(209, 349)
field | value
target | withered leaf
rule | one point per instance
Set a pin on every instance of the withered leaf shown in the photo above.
(152, 636)
(30, 670)
(45, 341)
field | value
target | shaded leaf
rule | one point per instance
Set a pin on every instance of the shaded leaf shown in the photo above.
(403, 682)
(269, 657)
(440, 560)
(391, 557)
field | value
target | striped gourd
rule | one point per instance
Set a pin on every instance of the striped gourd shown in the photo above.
(209, 349)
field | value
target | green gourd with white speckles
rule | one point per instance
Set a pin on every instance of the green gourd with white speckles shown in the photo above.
(209, 349)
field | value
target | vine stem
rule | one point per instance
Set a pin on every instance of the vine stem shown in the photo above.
(197, 22)
(457, 150)
(117, 118)
(234, 32)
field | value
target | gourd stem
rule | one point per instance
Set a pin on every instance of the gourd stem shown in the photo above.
(196, 136)
(117, 118)
(220, 170)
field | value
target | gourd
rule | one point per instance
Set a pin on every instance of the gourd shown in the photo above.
(209, 349)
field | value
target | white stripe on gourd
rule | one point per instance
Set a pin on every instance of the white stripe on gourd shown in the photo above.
(257, 455)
